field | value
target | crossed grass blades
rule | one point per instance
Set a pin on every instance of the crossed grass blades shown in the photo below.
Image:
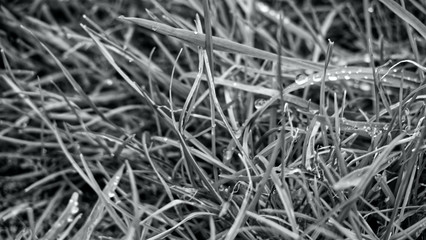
(212, 120)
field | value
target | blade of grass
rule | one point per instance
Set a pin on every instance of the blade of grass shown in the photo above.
(61, 222)
(280, 230)
(98, 210)
(144, 95)
(74, 83)
(406, 16)
(134, 228)
(210, 57)
(220, 44)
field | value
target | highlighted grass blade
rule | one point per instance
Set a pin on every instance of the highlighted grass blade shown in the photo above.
(221, 44)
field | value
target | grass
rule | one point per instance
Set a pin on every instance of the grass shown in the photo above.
(212, 120)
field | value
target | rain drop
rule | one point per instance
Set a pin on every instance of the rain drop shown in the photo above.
(111, 194)
(109, 82)
(365, 86)
(332, 78)
(316, 78)
(259, 103)
(74, 210)
(301, 79)
(286, 20)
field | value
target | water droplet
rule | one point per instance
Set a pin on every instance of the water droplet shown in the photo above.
(111, 194)
(259, 103)
(227, 155)
(301, 79)
(195, 32)
(365, 87)
(370, 9)
(286, 20)
(316, 77)
(238, 133)
(109, 82)
(70, 219)
(347, 77)
(332, 78)
(74, 210)
(366, 58)
(116, 181)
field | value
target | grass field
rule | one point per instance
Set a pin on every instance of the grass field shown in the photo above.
(230, 119)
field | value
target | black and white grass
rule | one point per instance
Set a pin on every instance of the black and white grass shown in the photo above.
(212, 119)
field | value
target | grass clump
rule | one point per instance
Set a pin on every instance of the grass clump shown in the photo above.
(212, 120)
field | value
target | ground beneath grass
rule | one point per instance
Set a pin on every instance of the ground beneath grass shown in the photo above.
(173, 120)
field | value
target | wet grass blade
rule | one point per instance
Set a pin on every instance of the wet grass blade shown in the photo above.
(221, 44)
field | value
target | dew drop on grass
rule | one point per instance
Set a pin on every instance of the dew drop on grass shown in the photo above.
(286, 20)
(347, 77)
(259, 103)
(116, 181)
(111, 194)
(227, 155)
(366, 58)
(109, 82)
(332, 77)
(75, 209)
(365, 86)
(316, 77)
(238, 133)
(301, 79)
